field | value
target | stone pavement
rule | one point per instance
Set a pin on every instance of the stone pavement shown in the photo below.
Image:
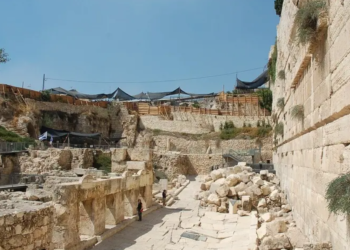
(185, 226)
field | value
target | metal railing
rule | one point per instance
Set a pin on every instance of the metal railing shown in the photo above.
(72, 145)
(13, 146)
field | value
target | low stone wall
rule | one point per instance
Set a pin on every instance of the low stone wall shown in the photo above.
(29, 227)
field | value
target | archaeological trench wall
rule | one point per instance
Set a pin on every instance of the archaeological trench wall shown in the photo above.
(315, 149)
(197, 123)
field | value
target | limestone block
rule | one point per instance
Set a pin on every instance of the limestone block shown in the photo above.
(296, 237)
(262, 231)
(65, 159)
(244, 177)
(118, 167)
(220, 182)
(222, 191)
(265, 190)
(274, 196)
(242, 193)
(214, 199)
(136, 154)
(267, 217)
(232, 180)
(246, 203)
(286, 208)
(237, 169)
(136, 165)
(216, 174)
(233, 206)
(275, 227)
(232, 192)
(243, 164)
(262, 203)
(118, 154)
(248, 169)
(280, 241)
(258, 181)
(240, 187)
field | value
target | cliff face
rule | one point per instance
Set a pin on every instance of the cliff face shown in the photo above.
(313, 149)
(26, 119)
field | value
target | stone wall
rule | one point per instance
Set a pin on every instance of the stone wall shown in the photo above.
(28, 227)
(196, 123)
(315, 149)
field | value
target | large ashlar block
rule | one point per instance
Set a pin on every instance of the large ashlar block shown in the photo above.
(92, 217)
(136, 154)
(337, 132)
(340, 101)
(114, 208)
(136, 165)
(322, 93)
(118, 154)
(130, 202)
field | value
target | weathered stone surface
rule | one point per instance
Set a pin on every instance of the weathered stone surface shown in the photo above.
(38, 195)
(267, 217)
(65, 159)
(223, 190)
(246, 203)
(214, 199)
(262, 203)
(274, 196)
(275, 227)
(279, 241)
(296, 238)
(232, 180)
(216, 174)
(232, 192)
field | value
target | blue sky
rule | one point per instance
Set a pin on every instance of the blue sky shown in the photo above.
(135, 40)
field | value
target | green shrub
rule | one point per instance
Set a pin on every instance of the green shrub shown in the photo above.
(278, 7)
(282, 74)
(156, 131)
(263, 131)
(306, 19)
(229, 125)
(227, 134)
(196, 105)
(297, 112)
(279, 129)
(258, 124)
(47, 120)
(265, 99)
(280, 103)
(9, 136)
(271, 66)
(338, 195)
(103, 162)
(45, 96)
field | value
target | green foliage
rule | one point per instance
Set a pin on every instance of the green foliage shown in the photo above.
(156, 131)
(228, 92)
(47, 120)
(306, 19)
(271, 66)
(280, 103)
(258, 124)
(9, 136)
(231, 133)
(45, 96)
(228, 125)
(196, 105)
(278, 7)
(103, 162)
(338, 195)
(279, 129)
(282, 74)
(265, 99)
(3, 56)
(297, 112)
(221, 126)
(249, 125)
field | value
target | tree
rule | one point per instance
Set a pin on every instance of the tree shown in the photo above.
(265, 99)
(3, 56)
(278, 7)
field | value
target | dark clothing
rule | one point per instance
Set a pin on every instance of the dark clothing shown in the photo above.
(139, 210)
(164, 195)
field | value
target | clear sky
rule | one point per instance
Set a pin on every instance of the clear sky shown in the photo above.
(135, 40)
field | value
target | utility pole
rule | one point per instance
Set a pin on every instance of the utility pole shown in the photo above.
(43, 82)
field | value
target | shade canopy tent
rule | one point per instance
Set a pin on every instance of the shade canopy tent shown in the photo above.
(122, 96)
(160, 95)
(55, 133)
(78, 95)
(259, 81)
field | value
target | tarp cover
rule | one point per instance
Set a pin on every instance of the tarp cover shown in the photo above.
(159, 95)
(122, 96)
(259, 81)
(76, 94)
(61, 133)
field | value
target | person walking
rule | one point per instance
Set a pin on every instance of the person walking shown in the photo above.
(164, 197)
(139, 210)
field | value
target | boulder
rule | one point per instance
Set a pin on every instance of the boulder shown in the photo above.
(242, 193)
(244, 177)
(258, 181)
(279, 241)
(265, 190)
(274, 196)
(263, 175)
(222, 209)
(220, 182)
(222, 191)
(267, 217)
(214, 199)
(262, 203)
(248, 169)
(232, 192)
(286, 208)
(240, 187)
(232, 180)
(243, 164)
(216, 174)
(204, 195)
(275, 227)
(296, 238)
(262, 231)
(206, 186)
(181, 179)
(38, 195)
(208, 178)
(65, 159)
(275, 180)
(237, 169)
(243, 213)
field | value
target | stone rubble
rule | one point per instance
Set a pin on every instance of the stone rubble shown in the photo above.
(259, 192)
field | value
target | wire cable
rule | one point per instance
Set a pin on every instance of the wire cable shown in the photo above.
(157, 81)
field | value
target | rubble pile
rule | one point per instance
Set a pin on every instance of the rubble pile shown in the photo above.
(239, 190)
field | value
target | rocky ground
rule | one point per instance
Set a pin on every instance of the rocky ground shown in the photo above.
(239, 190)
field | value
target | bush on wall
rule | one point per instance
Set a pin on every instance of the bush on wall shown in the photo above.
(338, 195)
(278, 7)
(306, 19)
(271, 67)
(297, 112)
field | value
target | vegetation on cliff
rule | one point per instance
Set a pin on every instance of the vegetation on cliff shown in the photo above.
(278, 7)
(3, 56)
(229, 131)
(297, 112)
(338, 195)
(103, 162)
(9, 136)
(306, 19)
(271, 66)
(265, 99)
